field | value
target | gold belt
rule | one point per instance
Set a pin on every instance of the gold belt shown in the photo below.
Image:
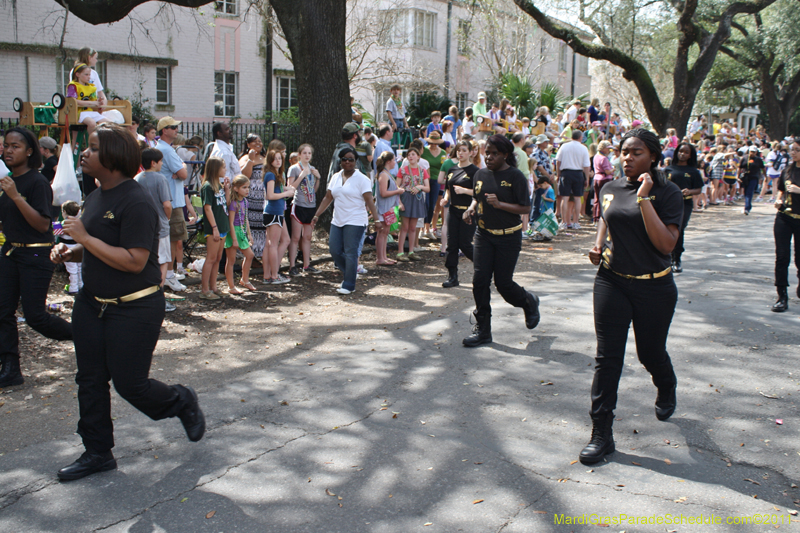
(462, 207)
(789, 214)
(15, 245)
(504, 231)
(643, 276)
(127, 298)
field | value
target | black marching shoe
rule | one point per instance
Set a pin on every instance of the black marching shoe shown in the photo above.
(87, 464)
(602, 441)
(781, 305)
(676, 266)
(666, 400)
(10, 375)
(531, 310)
(481, 331)
(452, 281)
(194, 422)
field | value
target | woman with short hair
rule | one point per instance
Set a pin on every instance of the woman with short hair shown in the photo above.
(352, 192)
(120, 308)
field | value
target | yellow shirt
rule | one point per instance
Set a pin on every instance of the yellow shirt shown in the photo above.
(85, 93)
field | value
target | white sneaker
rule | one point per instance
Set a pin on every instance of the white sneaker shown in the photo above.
(180, 271)
(174, 284)
(419, 249)
(342, 290)
(576, 226)
(179, 276)
(362, 270)
(562, 225)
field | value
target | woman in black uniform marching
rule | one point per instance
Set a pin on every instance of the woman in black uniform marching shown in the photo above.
(120, 308)
(684, 173)
(500, 196)
(787, 225)
(25, 269)
(458, 193)
(639, 226)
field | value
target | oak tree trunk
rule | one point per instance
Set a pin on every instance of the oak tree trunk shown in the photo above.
(315, 34)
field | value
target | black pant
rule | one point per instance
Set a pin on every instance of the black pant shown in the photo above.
(119, 347)
(688, 205)
(26, 274)
(496, 255)
(459, 237)
(650, 304)
(786, 227)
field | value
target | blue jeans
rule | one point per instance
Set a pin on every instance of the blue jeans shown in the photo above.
(343, 244)
(749, 189)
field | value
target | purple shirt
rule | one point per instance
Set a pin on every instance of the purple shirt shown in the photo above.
(240, 208)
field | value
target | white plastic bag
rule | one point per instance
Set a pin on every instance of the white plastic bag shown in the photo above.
(65, 183)
(114, 116)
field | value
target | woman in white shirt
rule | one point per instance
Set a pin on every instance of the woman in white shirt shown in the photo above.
(352, 192)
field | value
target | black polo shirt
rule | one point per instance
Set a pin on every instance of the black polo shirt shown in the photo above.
(35, 189)
(124, 217)
(510, 186)
(628, 249)
(461, 177)
(684, 177)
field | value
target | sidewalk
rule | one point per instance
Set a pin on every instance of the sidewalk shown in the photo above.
(386, 424)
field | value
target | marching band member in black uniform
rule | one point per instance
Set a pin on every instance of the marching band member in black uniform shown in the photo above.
(787, 224)
(684, 173)
(120, 308)
(639, 226)
(500, 196)
(458, 194)
(25, 269)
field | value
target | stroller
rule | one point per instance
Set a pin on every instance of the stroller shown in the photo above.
(196, 238)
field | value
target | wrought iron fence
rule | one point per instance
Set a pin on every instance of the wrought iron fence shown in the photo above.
(8, 123)
(288, 133)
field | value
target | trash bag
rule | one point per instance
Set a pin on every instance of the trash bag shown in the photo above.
(546, 224)
(65, 182)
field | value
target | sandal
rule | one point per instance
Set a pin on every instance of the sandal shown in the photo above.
(249, 286)
(234, 290)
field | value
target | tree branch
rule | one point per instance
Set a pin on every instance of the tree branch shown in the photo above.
(632, 69)
(104, 11)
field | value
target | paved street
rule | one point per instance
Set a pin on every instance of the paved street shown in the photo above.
(386, 424)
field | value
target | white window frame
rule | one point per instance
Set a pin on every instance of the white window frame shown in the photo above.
(291, 97)
(395, 27)
(583, 66)
(167, 71)
(462, 101)
(226, 7)
(424, 26)
(562, 57)
(225, 94)
(464, 31)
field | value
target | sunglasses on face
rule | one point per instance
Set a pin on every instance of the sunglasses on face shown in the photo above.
(347, 160)
(171, 127)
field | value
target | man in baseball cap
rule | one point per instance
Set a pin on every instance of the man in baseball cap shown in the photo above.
(166, 122)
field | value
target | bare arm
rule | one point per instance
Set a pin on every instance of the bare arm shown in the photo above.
(167, 208)
(596, 253)
(181, 175)
(246, 164)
